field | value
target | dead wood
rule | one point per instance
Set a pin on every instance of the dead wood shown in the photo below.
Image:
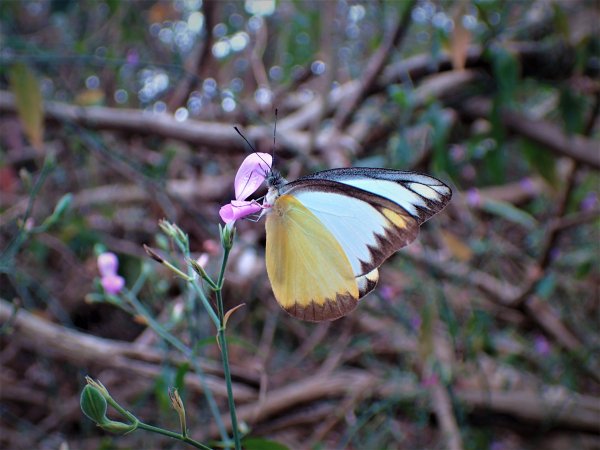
(83, 349)
(544, 133)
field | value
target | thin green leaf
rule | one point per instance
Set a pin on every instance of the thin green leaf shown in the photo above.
(180, 376)
(510, 213)
(540, 160)
(28, 99)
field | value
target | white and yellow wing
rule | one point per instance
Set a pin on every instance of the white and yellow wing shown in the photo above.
(329, 232)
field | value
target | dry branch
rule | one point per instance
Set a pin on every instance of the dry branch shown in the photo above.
(550, 406)
(375, 67)
(222, 136)
(83, 349)
(575, 411)
(502, 293)
(543, 133)
(206, 188)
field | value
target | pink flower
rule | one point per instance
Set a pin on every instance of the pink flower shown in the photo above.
(541, 345)
(430, 380)
(107, 266)
(473, 198)
(527, 185)
(252, 173)
(203, 260)
(107, 263)
(589, 202)
(112, 284)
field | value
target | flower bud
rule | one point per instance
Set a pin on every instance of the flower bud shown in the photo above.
(112, 284)
(227, 235)
(177, 405)
(93, 404)
(107, 264)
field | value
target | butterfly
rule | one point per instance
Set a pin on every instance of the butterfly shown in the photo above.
(328, 233)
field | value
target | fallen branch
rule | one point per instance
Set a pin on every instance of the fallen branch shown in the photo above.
(543, 133)
(555, 407)
(52, 340)
(564, 409)
(374, 67)
(502, 293)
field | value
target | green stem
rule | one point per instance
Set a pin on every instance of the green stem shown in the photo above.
(171, 434)
(230, 399)
(224, 351)
(189, 354)
(111, 401)
(205, 302)
(177, 271)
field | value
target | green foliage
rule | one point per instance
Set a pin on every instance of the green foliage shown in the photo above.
(510, 213)
(572, 109)
(28, 99)
(440, 130)
(58, 213)
(540, 160)
(182, 370)
(477, 333)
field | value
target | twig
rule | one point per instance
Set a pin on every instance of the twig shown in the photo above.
(500, 292)
(575, 219)
(375, 66)
(56, 341)
(544, 133)
(560, 408)
(442, 405)
(576, 411)
(326, 80)
(197, 59)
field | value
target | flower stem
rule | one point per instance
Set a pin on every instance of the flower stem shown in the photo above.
(224, 351)
(173, 435)
(168, 337)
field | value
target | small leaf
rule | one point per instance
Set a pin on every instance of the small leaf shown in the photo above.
(230, 312)
(180, 376)
(209, 340)
(90, 97)
(457, 247)
(540, 160)
(61, 207)
(506, 72)
(461, 39)
(510, 213)
(28, 99)
(572, 108)
(546, 286)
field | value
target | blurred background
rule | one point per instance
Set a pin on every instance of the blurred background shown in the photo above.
(483, 334)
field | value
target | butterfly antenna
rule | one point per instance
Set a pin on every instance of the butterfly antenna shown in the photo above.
(244, 138)
(250, 145)
(274, 133)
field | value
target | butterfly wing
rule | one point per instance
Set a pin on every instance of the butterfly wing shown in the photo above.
(391, 206)
(329, 232)
(310, 273)
(419, 195)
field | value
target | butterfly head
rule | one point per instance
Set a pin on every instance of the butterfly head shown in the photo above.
(274, 182)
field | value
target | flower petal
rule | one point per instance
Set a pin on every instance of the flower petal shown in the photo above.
(238, 209)
(251, 174)
(112, 284)
(107, 263)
